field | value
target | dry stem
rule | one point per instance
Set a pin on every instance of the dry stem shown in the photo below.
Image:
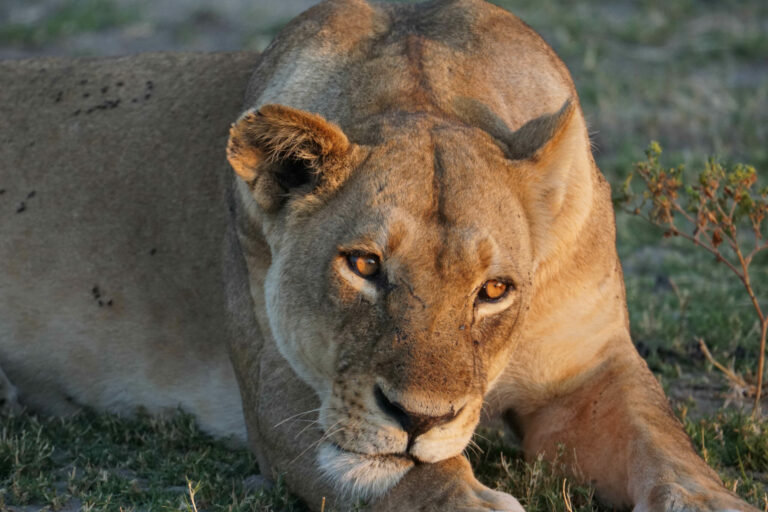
(735, 378)
(714, 222)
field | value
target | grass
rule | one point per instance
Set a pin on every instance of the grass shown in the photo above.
(68, 18)
(690, 74)
(102, 462)
(677, 293)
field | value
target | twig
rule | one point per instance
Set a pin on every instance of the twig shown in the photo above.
(760, 369)
(730, 374)
(715, 206)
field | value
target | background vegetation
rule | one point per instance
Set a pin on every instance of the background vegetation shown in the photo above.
(692, 74)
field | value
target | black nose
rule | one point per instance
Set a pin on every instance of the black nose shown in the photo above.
(413, 423)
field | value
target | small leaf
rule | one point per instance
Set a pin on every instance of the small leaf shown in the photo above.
(717, 237)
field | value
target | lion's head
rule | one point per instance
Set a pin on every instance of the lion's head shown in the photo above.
(401, 269)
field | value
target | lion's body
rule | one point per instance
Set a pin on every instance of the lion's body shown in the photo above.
(443, 144)
(110, 281)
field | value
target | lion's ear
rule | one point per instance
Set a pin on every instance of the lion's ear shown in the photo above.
(552, 166)
(555, 164)
(551, 147)
(280, 150)
(526, 142)
(536, 138)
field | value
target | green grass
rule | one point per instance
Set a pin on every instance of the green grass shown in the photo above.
(676, 293)
(69, 18)
(539, 486)
(109, 463)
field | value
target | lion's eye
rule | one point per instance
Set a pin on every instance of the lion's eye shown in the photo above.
(493, 290)
(364, 265)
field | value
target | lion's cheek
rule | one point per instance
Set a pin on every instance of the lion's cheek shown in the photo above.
(309, 349)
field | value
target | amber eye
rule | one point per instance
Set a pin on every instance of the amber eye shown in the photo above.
(493, 290)
(364, 265)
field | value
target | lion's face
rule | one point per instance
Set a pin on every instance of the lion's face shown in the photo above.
(396, 291)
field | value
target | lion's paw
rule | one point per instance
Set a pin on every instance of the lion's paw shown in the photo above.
(674, 497)
(472, 496)
(442, 486)
(488, 499)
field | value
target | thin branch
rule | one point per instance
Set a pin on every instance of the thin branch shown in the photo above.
(760, 368)
(734, 204)
(756, 250)
(730, 374)
(682, 212)
(701, 244)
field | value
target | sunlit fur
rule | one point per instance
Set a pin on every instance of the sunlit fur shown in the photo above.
(447, 139)
(361, 476)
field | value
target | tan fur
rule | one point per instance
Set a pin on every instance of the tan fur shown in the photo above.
(111, 293)
(446, 138)
(464, 157)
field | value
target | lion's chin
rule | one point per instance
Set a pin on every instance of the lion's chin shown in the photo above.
(359, 475)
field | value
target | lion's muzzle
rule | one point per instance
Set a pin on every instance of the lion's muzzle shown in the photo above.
(413, 422)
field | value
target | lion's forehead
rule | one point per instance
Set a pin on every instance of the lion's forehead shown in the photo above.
(418, 158)
(435, 189)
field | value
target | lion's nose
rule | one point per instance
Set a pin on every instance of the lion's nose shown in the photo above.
(413, 423)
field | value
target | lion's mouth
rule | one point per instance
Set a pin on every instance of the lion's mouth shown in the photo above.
(363, 475)
(404, 455)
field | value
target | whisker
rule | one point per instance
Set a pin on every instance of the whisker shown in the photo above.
(476, 446)
(317, 442)
(311, 423)
(473, 448)
(297, 415)
(324, 435)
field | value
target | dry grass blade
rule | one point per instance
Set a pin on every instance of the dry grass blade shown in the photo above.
(567, 496)
(733, 377)
(192, 491)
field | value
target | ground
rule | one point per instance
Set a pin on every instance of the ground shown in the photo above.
(692, 74)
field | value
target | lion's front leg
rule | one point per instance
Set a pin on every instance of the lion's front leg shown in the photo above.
(619, 434)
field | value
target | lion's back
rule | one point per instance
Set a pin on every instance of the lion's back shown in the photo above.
(112, 218)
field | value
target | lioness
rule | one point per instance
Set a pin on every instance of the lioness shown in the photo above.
(417, 234)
